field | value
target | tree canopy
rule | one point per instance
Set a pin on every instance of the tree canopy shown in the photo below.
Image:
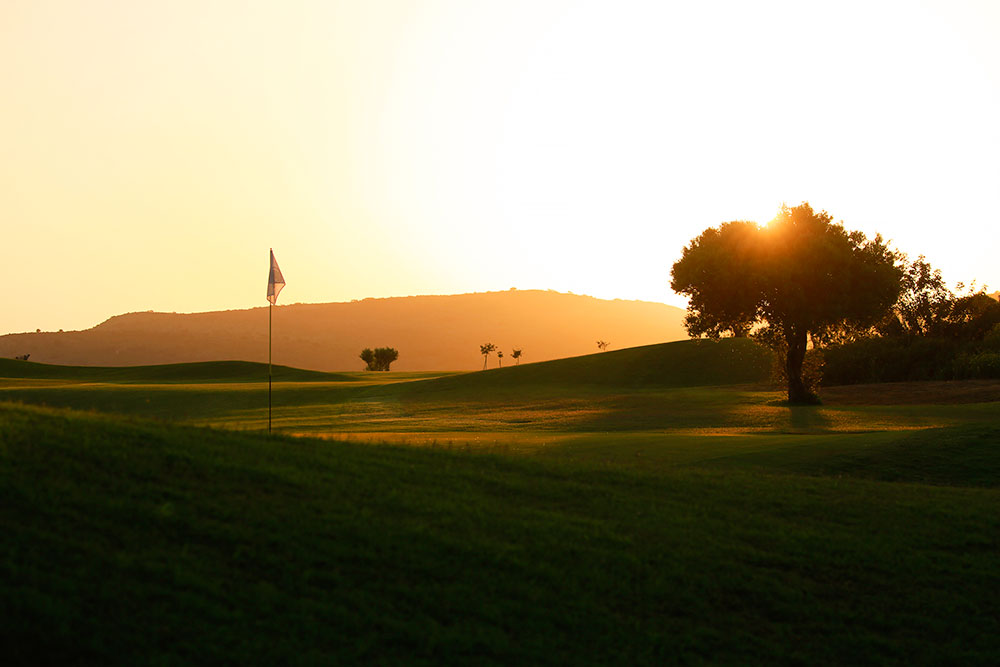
(798, 276)
(485, 350)
(380, 358)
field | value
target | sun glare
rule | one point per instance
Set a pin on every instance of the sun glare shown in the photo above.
(393, 148)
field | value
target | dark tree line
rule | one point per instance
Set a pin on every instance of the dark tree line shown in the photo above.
(926, 307)
(930, 333)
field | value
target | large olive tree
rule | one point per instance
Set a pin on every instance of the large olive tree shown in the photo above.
(798, 275)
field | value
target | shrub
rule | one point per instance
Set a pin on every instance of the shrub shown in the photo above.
(891, 360)
(991, 341)
(982, 365)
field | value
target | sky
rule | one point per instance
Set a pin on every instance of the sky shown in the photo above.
(152, 152)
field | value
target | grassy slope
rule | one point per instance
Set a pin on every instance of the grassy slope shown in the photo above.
(130, 542)
(692, 363)
(656, 517)
(204, 392)
(189, 392)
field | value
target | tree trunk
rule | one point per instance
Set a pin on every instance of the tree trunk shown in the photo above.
(485, 357)
(795, 339)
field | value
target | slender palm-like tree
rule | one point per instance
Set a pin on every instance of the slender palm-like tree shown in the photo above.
(603, 345)
(517, 356)
(500, 357)
(485, 350)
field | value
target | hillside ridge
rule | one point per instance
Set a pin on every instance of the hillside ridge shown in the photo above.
(674, 364)
(433, 332)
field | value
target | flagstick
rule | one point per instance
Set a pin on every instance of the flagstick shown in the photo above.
(269, 306)
(275, 281)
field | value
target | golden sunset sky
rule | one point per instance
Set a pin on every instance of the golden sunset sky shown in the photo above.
(152, 152)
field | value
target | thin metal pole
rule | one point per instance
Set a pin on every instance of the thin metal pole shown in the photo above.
(269, 306)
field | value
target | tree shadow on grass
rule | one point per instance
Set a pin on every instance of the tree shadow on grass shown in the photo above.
(807, 419)
(788, 417)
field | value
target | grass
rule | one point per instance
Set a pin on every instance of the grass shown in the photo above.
(133, 542)
(560, 515)
(951, 456)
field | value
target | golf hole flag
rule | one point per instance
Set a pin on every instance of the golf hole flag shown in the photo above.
(275, 281)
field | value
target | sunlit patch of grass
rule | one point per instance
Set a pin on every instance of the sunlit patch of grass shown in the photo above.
(497, 442)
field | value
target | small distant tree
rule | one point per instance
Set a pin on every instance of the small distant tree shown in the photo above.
(500, 357)
(517, 356)
(379, 359)
(384, 356)
(485, 350)
(602, 345)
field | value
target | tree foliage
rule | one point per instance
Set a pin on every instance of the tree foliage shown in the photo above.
(384, 356)
(799, 276)
(931, 333)
(379, 359)
(923, 304)
(971, 317)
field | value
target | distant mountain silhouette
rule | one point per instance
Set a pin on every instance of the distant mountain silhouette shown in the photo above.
(430, 332)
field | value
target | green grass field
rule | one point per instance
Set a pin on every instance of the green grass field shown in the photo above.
(647, 506)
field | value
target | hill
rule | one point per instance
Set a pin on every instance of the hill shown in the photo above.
(623, 507)
(430, 332)
(690, 363)
(230, 392)
(205, 371)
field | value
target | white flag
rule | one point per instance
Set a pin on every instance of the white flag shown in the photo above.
(275, 281)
